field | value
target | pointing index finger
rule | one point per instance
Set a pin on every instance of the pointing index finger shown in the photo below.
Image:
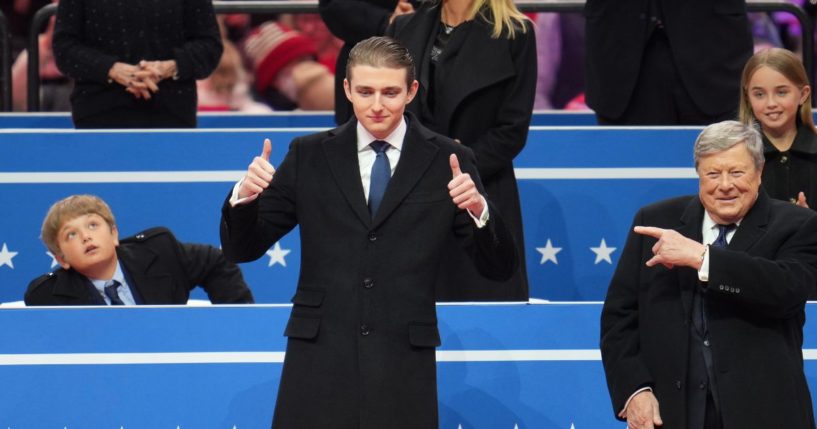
(650, 231)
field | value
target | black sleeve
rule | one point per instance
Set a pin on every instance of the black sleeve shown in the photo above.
(202, 48)
(74, 57)
(491, 247)
(206, 266)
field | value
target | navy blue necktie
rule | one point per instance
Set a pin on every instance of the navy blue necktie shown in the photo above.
(722, 231)
(381, 173)
(112, 294)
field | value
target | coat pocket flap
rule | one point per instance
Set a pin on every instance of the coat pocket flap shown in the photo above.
(424, 335)
(308, 297)
(302, 327)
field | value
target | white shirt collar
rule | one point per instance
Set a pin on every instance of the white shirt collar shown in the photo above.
(395, 139)
(710, 224)
(118, 275)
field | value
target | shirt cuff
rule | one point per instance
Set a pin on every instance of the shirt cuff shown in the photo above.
(234, 200)
(703, 273)
(623, 412)
(482, 220)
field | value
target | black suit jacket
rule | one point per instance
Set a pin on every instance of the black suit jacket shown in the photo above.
(363, 328)
(352, 21)
(160, 268)
(710, 42)
(484, 98)
(755, 301)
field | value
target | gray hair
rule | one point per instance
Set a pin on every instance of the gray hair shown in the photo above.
(724, 135)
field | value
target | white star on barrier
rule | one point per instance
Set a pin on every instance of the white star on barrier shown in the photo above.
(54, 262)
(5, 257)
(603, 252)
(277, 254)
(549, 253)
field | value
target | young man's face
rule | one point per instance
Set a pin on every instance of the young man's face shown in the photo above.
(379, 96)
(88, 245)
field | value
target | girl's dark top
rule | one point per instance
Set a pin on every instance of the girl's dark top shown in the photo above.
(787, 173)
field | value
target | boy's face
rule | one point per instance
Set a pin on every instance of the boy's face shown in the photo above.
(379, 96)
(88, 245)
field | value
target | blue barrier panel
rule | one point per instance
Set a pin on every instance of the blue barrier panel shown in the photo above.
(580, 188)
(271, 120)
(529, 366)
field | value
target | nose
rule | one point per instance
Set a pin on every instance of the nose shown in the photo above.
(378, 104)
(86, 236)
(725, 182)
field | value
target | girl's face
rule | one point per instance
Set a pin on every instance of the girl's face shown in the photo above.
(775, 100)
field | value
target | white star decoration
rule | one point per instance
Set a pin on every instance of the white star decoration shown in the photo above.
(5, 257)
(54, 262)
(277, 254)
(549, 253)
(603, 252)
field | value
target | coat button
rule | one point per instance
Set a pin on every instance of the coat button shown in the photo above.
(737, 290)
(706, 343)
(702, 385)
(784, 159)
(678, 384)
(368, 283)
(372, 236)
(364, 330)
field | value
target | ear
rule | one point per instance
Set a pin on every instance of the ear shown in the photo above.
(347, 88)
(63, 263)
(412, 91)
(115, 234)
(804, 93)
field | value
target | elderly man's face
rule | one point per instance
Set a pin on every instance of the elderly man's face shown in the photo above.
(729, 183)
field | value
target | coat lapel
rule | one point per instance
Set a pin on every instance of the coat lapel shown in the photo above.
(78, 288)
(691, 224)
(137, 262)
(341, 151)
(468, 46)
(415, 159)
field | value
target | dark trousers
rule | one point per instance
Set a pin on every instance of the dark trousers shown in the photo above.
(659, 97)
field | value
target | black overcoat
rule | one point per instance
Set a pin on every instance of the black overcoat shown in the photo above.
(363, 328)
(755, 302)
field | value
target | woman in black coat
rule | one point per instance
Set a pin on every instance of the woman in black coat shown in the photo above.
(135, 63)
(477, 71)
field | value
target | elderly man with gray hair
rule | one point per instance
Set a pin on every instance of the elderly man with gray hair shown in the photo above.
(702, 326)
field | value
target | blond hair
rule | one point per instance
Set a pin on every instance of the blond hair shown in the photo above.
(503, 15)
(70, 208)
(784, 62)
